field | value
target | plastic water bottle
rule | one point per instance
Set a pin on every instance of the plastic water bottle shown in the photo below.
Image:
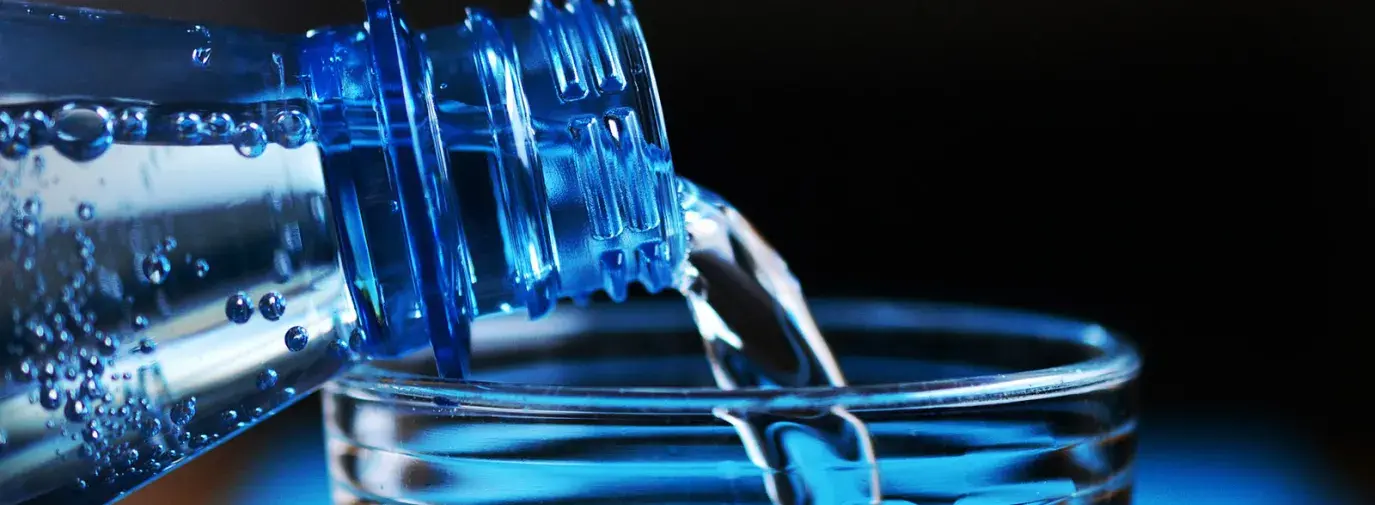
(206, 223)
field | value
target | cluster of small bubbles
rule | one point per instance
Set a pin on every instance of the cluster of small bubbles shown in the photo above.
(272, 305)
(238, 308)
(83, 132)
(189, 128)
(182, 412)
(202, 268)
(267, 379)
(132, 124)
(156, 267)
(291, 128)
(200, 56)
(296, 338)
(150, 426)
(250, 140)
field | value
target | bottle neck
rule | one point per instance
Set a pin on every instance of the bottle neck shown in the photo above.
(492, 166)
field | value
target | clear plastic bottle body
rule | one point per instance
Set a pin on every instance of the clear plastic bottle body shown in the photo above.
(167, 227)
(208, 223)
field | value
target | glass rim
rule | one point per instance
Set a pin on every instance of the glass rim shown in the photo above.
(1115, 362)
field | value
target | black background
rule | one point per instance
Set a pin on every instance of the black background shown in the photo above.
(1194, 173)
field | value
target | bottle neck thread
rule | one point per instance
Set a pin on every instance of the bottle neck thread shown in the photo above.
(521, 160)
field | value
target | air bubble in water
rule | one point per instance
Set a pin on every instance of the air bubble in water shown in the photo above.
(200, 56)
(156, 267)
(182, 412)
(238, 308)
(107, 345)
(291, 128)
(150, 426)
(267, 379)
(132, 124)
(76, 410)
(219, 126)
(85, 211)
(26, 224)
(169, 244)
(272, 305)
(140, 322)
(250, 140)
(297, 338)
(50, 397)
(189, 128)
(83, 133)
(39, 124)
(202, 268)
(9, 136)
(91, 434)
(146, 346)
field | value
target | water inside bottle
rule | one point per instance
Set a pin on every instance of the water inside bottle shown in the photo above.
(157, 253)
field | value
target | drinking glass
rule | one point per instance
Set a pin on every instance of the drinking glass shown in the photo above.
(616, 404)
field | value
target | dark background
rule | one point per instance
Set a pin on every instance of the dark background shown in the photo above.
(1194, 173)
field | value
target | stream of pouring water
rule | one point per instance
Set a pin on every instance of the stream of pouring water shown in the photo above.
(759, 333)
